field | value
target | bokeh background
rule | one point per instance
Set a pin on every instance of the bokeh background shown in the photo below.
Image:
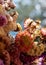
(35, 9)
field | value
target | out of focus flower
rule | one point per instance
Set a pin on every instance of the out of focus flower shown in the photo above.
(4, 55)
(22, 40)
(43, 31)
(3, 20)
(1, 62)
(1, 1)
(27, 22)
(38, 61)
(19, 28)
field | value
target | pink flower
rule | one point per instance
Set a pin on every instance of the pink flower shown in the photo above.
(3, 20)
(1, 62)
(43, 31)
(1, 1)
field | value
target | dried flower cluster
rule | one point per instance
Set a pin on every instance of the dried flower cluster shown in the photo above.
(29, 45)
(32, 40)
(7, 24)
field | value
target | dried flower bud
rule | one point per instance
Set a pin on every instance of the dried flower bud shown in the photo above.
(19, 28)
(43, 31)
(6, 5)
(12, 13)
(11, 5)
(15, 16)
(33, 24)
(38, 21)
(7, 8)
(10, 19)
(27, 22)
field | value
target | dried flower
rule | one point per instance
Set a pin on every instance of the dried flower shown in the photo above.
(43, 31)
(24, 41)
(4, 55)
(27, 22)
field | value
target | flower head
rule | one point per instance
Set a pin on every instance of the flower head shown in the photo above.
(43, 31)
(3, 20)
(1, 62)
(24, 41)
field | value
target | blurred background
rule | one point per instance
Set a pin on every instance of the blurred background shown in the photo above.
(35, 9)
